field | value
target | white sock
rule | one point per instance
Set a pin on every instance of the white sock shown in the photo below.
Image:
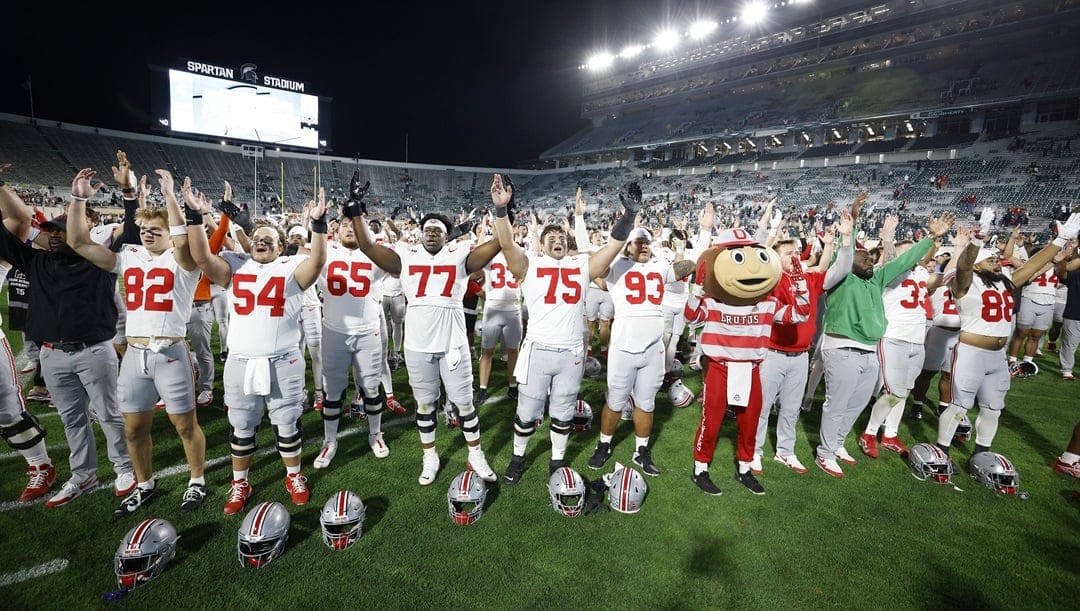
(877, 414)
(986, 425)
(892, 421)
(700, 467)
(239, 475)
(292, 469)
(148, 484)
(605, 438)
(640, 442)
(1069, 457)
(197, 480)
(558, 445)
(744, 467)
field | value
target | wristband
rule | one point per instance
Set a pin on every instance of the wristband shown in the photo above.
(621, 230)
(976, 241)
(1059, 242)
(127, 191)
(194, 217)
(177, 230)
(500, 212)
(318, 225)
(80, 199)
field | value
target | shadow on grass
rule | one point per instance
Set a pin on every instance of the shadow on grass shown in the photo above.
(707, 559)
(194, 538)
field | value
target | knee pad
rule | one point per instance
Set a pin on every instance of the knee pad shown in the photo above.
(373, 403)
(24, 433)
(523, 429)
(470, 422)
(331, 410)
(561, 427)
(242, 443)
(425, 422)
(289, 440)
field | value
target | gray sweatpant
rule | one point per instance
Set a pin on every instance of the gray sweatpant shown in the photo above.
(850, 377)
(77, 381)
(1070, 339)
(199, 327)
(783, 377)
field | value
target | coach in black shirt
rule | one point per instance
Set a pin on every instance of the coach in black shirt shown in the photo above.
(72, 316)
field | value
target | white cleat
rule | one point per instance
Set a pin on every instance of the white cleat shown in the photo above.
(329, 450)
(431, 468)
(478, 463)
(378, 446)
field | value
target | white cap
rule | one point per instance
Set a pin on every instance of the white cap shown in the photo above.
(639, 232)
(985, 253)
(297, 230)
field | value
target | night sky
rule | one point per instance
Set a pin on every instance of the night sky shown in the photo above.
(471, 83)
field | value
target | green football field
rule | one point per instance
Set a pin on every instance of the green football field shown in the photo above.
(877, 538)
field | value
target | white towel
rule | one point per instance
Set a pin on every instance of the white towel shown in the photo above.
(257, 377)
(739, 376)
(521, 369)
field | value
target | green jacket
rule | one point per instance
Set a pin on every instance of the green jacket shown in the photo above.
(855, 310)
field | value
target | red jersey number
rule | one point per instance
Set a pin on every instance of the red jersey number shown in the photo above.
(148, 289)
(912, 301)
(997, 305)
(502, 278)
(272, 294)
(339, 273)
(565, 277)
(637, 285)
(426, 271)
(949, 307)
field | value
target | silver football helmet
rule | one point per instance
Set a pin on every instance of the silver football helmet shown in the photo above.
(995, 472)
(963, 430)
(566, 488)
(145, 552)
(592, 367)
(342, 519)
(582, 416)
(1026, 369)
(676, 366)
(466, 497)
(262, 535)
(679, 394)
(929, 462)
(626, 490)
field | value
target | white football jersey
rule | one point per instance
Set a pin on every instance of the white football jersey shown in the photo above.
(987, 310)
(264, 305)
(434, 286)
(501, 290)
(637, 291)
(391, 286)
(1042, 289)
(158, 293)
(554, 294)
(905, 311)
(351, 303)
(675, 292)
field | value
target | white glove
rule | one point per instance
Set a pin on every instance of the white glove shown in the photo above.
(986, 220)
(1070, 228)
(774, 222)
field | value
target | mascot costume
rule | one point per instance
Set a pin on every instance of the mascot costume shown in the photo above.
(731, 298)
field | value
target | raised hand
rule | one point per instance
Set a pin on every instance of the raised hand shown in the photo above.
(165, 182)
(501, 193)
(858, 202)
(708, 217)
(888, 227)
(82, 186)
(631, 202)
(941, 225)
(579, 203)
(846, 225)
(828, 236)
(961, 239)
(318, 209)
(356, 190)
(122, 173)
(1070, 228)
(986, 219)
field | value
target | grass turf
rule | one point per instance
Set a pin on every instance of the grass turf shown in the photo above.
(876, 538)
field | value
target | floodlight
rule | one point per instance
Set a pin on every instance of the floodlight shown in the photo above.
(870, 130)
(701, 29)
(600, 61)
(907, 124)
(754, 12)
(666, 39)
(630, 51)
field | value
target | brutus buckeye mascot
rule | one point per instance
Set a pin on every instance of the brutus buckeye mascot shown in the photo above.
(731, 297)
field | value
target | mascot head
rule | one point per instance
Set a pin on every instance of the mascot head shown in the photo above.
(737, 269)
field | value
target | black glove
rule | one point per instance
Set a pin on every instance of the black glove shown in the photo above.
(632, 201)
(238, 215)
(357, 192)
(594, 497)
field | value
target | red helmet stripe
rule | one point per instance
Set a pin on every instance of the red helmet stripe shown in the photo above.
(1004, 462)
(260, 516)
(568, 475)
(624, 496)
(342, 503)
(140, 532)
(465, 481)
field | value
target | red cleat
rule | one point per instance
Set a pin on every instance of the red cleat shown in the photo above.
(41, 481)
(296, 484)
(868, 445)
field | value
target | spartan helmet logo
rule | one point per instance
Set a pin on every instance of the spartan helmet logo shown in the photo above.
(248, 74)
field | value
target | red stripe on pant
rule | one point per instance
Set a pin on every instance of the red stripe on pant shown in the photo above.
(713, 407)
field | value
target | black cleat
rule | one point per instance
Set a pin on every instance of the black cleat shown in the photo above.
(600, 456)
(193, 497)
(555, 465)
(703, 481)
(512, 392)
(512, 474)
(481, 396)
(135, 500)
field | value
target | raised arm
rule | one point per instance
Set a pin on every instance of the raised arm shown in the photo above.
(356, 211)
(581, 232)
(516, 260)
(308, 272)
(631, 203)
(78, 231)
(841, 267)
(16, 212)
(213, 267)
(1066, 231)
(887, 236)
(177, 222)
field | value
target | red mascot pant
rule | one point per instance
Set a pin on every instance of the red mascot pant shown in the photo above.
(713, 407)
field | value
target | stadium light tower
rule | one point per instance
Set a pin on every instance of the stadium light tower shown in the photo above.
(754, 13)
(701, 29)
(631, 51)
(666, 39)
(600, 61)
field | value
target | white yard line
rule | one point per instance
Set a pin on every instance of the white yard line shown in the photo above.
(41, 570)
